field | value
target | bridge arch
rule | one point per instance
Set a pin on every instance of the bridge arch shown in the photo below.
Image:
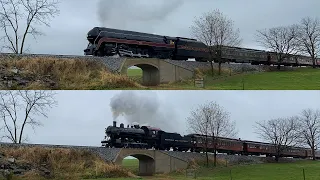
(146, 162)
(150, 71)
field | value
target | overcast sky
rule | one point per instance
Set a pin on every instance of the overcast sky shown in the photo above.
(81, 116)
(67, 34)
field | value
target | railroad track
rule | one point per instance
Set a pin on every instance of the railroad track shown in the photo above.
(49, 55)
(3, 144)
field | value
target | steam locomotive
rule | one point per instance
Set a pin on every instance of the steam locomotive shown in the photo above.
(109, 42)
(146, 137)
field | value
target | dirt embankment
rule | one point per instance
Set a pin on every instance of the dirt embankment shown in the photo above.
(53, 73)
(48, 163)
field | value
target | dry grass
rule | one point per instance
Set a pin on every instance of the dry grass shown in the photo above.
(67, 73)
(64, 163)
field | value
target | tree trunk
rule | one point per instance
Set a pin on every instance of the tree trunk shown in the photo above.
(212, 73)
(278, 66)
(220, 68)
(207, 157)
(314, 62)
(313, 154)
(215, 158)
(278, 153)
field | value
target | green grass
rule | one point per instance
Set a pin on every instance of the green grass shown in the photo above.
(135, 74)
(299, 79)
(131, 164)
(302, 79)
(272, 171)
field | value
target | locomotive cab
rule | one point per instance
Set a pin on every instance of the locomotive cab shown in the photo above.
(151, 131)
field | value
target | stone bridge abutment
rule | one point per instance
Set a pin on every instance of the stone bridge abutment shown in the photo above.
(152, 161)
(157, 71)
(146, 162)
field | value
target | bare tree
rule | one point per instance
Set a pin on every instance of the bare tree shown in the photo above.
(310, 129)
(18, 19)
(19, 109)
(309, 38)
(281, 132)
(281, 40)
(216, 30)
(211, 121)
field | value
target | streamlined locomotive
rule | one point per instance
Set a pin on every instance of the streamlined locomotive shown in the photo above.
(110, 42)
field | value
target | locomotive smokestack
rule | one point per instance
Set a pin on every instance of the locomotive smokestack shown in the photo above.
(114, 123)
(121, 125)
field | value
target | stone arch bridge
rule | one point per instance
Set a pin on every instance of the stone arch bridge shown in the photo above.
(157, 71)
(150, 161)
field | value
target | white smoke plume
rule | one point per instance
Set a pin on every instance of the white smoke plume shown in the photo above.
(145, 108)
(136, 15)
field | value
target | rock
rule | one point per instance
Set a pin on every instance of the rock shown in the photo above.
(44, 171)
(19, 171)
(12, 160)
(4, 164)
(14, 70)
(6, 174)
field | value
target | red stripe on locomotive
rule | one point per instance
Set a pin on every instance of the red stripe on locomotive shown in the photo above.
(105, 39)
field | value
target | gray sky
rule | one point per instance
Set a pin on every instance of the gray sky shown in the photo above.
(67, 34)
(81, 116)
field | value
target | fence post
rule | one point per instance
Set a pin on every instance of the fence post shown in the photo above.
(304, 175)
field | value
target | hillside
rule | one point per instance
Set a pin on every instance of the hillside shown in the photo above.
(59, 73)
(55, 163)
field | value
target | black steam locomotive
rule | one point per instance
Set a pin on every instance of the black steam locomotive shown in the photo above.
(110, 42)
(146, 137)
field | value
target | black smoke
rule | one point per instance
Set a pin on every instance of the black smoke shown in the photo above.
(137, 15)
(145, 108)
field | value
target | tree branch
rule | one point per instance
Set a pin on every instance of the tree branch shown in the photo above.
(32, 103)
(21, 13)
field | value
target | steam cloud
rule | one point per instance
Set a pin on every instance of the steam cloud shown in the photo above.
(137, 15)
(145, 109)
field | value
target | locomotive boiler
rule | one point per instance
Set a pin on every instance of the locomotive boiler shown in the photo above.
(132, 136)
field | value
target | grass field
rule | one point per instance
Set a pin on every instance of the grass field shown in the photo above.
(131, 164)
(135, 74)
(300, 79)
(272, 171)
